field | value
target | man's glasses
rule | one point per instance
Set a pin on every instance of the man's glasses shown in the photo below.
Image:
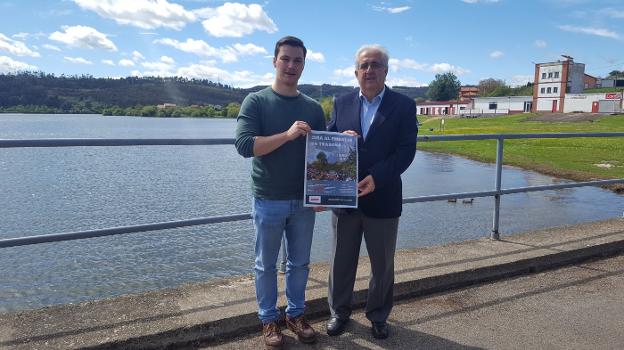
(372, 65)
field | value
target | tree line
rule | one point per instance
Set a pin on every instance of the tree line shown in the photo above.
(446, 87)
(38, 92)
(47, 93)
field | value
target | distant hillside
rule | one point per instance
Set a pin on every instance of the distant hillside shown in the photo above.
(86, 94)
(63, 92)
(325, 90)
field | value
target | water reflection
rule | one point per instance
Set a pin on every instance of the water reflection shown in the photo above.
(60, 190)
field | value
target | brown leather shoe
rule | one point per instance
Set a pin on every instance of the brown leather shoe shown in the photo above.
(298, 325)
(272, 335)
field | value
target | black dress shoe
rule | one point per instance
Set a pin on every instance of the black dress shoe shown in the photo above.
(380, 330)
(335, 325)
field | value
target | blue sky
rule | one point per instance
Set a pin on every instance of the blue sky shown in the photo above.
(232, 42)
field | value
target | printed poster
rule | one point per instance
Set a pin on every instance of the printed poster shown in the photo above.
(331, 170)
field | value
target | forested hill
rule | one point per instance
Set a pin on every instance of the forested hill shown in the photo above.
(65, 93)
(80, 94)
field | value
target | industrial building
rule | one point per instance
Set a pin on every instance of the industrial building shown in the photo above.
(558, 88)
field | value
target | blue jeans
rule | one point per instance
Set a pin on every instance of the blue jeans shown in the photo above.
(273, 218)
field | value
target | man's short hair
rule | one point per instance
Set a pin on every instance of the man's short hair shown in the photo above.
(290, 41)
(373, 47)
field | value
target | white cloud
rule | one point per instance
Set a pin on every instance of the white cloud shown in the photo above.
(348, 72)
(51, 47)
(167, 59)
(249, 49)
(83, 37)
(147, 14)
(15, 47)
(540, 43)
(445, 67)
(21, 35)
(156, 65)
(403, 81)
(496, 54)
(78, 60)
(392, 10)
(108, 62)
(24, 36)
(315, 56)
(163, 68)
(137, 56)
(8, 65)
(236, 20)
(397, 64)
(202, 48)
(208, 71)
(408, 63)
(202, 71)
(591, 31)
(126, 63)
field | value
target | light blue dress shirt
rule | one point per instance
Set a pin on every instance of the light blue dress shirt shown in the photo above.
(368, 111)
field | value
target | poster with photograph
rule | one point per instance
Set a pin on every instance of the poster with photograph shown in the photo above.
(331, 170)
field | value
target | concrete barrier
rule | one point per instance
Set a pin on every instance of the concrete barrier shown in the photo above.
(225, 308)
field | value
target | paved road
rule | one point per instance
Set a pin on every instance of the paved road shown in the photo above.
(577, 307)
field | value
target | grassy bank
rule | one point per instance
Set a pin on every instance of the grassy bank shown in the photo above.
(576, 158)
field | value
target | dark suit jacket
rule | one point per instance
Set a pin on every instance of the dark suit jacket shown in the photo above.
(387, 151)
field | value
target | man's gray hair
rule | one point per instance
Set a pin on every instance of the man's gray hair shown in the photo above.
(373, 47)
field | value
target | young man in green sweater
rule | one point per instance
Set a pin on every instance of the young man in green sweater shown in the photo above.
(271, 128)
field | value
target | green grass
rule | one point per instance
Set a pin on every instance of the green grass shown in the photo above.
(599, 90)
(572, 158)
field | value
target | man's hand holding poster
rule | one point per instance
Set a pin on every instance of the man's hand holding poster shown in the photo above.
(331, 170)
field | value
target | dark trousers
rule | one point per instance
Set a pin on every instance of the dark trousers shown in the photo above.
(380, 236)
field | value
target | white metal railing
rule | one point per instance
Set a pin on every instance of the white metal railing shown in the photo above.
(496, 192)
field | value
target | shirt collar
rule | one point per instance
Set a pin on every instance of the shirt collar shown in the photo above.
(375, 99)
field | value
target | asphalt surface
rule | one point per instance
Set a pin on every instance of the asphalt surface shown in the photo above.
(577, 307)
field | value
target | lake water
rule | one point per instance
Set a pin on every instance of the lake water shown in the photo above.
(52, 190)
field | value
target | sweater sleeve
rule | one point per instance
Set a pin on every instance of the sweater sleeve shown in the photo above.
(321, 126)
(248, 126)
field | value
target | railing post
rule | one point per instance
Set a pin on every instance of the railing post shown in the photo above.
(499, 173)
(282, 268)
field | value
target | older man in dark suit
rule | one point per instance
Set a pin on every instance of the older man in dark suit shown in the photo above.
(386, 122)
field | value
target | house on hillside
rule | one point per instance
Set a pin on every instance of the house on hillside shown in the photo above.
(611, 82)
(442, 107)
(591, 82)
(467, 92)
(166, 105)
(500, 105)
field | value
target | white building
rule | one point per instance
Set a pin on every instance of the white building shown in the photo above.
(553, 80)
(442, 107)
(610, 102)
(500, 105)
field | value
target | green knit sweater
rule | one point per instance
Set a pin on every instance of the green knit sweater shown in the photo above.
(279, 174)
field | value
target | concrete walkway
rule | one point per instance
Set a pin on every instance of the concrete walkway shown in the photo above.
(577, 307)
(198, 315)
